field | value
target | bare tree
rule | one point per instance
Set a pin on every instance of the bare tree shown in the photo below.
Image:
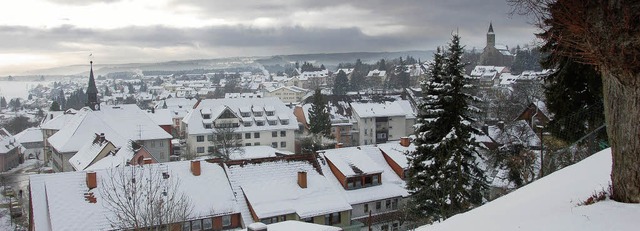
(142, 197)
(602, 33)
(226, 142)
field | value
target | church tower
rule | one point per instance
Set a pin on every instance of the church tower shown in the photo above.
(491, 37)
(92, 91)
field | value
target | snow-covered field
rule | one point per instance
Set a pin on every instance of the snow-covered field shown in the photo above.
(14, 89)
(551, 203)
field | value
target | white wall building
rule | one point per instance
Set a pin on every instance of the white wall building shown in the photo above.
(381, 122)
(259, 121)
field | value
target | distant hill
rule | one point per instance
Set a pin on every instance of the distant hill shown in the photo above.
(328, 59)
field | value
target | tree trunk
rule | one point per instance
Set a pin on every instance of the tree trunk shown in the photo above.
(622, 114)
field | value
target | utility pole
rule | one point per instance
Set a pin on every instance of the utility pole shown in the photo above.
(541, 128)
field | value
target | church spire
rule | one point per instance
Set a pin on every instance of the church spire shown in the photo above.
(490, 27)
(491, 37)
(92, 91)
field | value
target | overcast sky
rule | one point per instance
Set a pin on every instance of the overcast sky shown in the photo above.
(38, 34)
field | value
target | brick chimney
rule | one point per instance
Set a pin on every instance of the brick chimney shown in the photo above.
(404, 141)
(339, 145)
(302, 179)
(195, 167)
(92, 182)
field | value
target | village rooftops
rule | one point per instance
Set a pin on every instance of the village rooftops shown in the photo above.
(386, 109)
(352, 161)
(7, 141)
(391, 185)
(59, 200)
(272, 189)
(250, 111)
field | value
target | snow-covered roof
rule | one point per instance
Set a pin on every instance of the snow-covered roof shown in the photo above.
(352, 161)
(272, 189)
(293, 225)
(551, 203)
(397, 152)
(89, 152)
(253, 152)
(161, 116)
(120, 122)
(59, 199)
(377, 73)
(58, 122)
(29, 135)
(517, 131)
(386, 109)
(391, 187)
(196, 121)
(7, 141)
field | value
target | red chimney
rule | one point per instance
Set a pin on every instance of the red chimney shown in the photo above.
(91, 180)
(404, 141)
(195, 167)
(302, 179)
(339, 145)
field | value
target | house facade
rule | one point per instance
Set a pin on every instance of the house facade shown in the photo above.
(262, 121)
(380, 122)
(10, 155)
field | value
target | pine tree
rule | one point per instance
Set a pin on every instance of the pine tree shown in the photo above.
(358, 76)
(444, 177)
(3, 103)
(54, 106)
(341, 84)
(319, 115)
(107, 92)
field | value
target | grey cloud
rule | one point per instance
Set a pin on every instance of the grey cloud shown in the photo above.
(81, 2)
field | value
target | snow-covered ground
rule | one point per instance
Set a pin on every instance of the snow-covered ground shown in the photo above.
(551, 203)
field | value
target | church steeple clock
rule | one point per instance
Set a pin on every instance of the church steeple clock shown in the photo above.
(92, 91)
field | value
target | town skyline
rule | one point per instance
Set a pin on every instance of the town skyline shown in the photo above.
(64, 32)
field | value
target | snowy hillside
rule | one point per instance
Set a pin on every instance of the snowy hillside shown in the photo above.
(551, 204)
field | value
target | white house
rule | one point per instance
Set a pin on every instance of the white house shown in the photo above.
(380, 122)
(258, 121)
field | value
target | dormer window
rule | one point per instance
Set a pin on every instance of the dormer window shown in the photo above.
(207, 126)
(245, 114)
(247, 123)
(257, 113)
(270, 113)
(284, 122)
(206, 116)
(272, 122)
(260, 123)
(363, 181)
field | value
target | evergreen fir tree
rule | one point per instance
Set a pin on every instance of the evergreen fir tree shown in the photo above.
(107, 92)
(444, 178)
(54, 106)
(320, 123)
(341, 84)
(358, 76)
(3, 103)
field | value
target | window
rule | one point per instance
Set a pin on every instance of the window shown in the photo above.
(284, 122)
(274, 134)
(226, 221)
(366, 208)
(196, 225)
(247, 144)
(256, 144)
(332, 219)
(186, 226)
(283, 144)
(376, 180)
(378, 205)
(200, 149)
(272, 122)
(200, 138)
(283, 133)
(206, 116)
(270, 113)
(308, 219)
(247, 123)
(207, 224)
(211, 149)
(209, 137)
(245, 114)
(260, 123)
(247, 135)
(394, 205)
(256, 135)
(384, 228)
(388, 204)
(274, 144)
(257, 113)
(207, 126)
(161, 143)
(394, 227)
